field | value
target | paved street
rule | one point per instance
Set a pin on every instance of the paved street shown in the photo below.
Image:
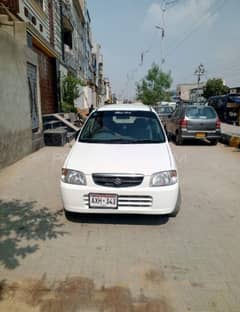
(122, 263)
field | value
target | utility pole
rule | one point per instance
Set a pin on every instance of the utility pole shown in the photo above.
(162, 37)
(199, 72)
(162, 27)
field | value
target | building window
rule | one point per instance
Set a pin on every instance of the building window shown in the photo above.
(26, 13)
(29, 40)
(34, 21)
(67, 38)
(41, 27)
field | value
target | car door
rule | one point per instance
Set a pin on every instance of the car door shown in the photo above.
(174, 120)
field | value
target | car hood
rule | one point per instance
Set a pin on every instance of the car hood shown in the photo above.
(120, 158)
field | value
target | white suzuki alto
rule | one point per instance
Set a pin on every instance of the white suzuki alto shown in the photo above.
(121, 162)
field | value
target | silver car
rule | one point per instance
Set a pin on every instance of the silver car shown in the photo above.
(164, 112)
(194, 122)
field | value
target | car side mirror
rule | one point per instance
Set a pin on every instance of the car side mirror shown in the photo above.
(76, 134)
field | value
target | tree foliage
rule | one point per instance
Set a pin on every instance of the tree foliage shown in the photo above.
(70, 89)
(154, 87)
(214, 87)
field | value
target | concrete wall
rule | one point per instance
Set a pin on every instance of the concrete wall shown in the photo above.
(183, 90)
(41, 15)
(15, 120)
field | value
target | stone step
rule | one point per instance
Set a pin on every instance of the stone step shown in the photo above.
(53, 124)
(55, 137)
(4, 19)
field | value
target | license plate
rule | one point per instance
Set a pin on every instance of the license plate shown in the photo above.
(200, 135)
(232, 105)
(109, 201)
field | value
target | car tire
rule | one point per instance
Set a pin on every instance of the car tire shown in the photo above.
(213, 141)
(177, 207)
(179, 139)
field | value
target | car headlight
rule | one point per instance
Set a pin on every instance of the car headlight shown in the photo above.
(164, 178)
(73, 177)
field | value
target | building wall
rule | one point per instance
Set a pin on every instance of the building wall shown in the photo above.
(45, 20)
(78, 42)
(15, 116)
(184, 90)
(57, 27)
(41, 15)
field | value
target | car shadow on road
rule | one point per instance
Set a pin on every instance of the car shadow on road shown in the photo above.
(193, 142)
(22, 227)
(118, 219)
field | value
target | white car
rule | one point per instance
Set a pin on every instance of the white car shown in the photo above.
(121, 162)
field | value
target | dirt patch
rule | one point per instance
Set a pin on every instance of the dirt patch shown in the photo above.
(176, 269)
(2, 289)
(153, 306)
(117, 299)
(195, 284)
(154, 276)
(73, 295)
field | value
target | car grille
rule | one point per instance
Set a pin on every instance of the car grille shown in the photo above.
(116, 180)
(129, 201)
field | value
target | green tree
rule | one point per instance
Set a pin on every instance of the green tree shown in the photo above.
(70, 91)
(154, 87)
(214, 87)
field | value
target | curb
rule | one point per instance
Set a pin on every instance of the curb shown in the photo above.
(231, 140)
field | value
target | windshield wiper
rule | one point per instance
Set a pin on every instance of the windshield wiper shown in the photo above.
(122, 141)
(132, 141)
(147, 141)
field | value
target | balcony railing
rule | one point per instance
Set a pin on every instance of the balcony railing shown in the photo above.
(67, 13)
(69, 58)
(12, 5)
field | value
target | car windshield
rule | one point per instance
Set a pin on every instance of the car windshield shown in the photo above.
(200, 113)
(164, 110)
(122, 127)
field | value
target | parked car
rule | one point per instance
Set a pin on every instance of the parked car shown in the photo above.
(171, 104)
(164, 112)
(227, 107)
(121, 162)
(194, 122)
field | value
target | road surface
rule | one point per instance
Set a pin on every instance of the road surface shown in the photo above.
(122, 263)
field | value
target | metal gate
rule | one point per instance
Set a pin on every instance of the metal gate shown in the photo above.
(32, 84)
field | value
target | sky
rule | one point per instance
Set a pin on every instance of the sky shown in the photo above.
(196, 31)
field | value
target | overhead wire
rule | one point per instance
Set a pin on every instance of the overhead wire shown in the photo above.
(194, 29)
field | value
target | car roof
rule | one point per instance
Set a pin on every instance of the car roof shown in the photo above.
(125, 107)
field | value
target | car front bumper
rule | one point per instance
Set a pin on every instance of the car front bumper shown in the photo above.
(131, 200)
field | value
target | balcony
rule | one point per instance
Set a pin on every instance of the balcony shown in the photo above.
(69, 58)
(12, 5)
(68, 20)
